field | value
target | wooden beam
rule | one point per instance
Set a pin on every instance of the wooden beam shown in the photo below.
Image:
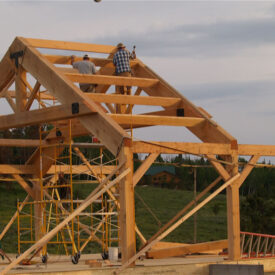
(45, 239)
(248, 168)
(219, 167)
(4, 142)
(181, 148)
(105, 129)
(24, 185)
(100, 62)
(16, 169)
(82, 169)
(32, 96)
(7, 71)
(188, 206)
(211, 132)
(187, 249)
(9, 169)
(42, 95)
(179, 222)
(112, 80)
(43, 115)
(20, 89)
(71, 46)
(155, 120)
(130, 107)
(233, 210)
(99, 178)
(10, 101)
(144, 167)
(127, 207)
(137, 100)
(256, 150)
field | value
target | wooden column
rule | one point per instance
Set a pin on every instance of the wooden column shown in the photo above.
(20, 89)
(233, 214)
(127, 207)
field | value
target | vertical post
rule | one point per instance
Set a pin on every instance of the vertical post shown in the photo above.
(233, 214)
(20, 89)
(195, 195)
(127, 206)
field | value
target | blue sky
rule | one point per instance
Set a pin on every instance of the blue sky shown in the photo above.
(218, 54)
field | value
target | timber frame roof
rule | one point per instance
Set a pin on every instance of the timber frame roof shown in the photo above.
(44, 78)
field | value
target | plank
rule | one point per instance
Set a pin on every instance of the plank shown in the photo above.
(79, 169)
(256, 150)
(71, 46)
(137, 100)
(111, 80)
(155, 120)
(181, 148)
(187, 249)
(16, 169)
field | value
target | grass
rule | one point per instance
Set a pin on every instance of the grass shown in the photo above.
(164, 203)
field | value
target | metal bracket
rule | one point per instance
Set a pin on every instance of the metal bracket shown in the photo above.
(16, 56)
(75, 108)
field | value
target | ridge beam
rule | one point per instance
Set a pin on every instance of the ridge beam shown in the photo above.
(71, 46)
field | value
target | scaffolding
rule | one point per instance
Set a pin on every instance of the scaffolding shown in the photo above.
(99, 222)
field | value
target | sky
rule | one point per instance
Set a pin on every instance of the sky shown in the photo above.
(218, 54)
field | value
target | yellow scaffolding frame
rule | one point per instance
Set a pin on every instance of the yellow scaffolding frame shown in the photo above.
(53, 205)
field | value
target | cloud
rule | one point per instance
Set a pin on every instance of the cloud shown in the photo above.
(215, 39)
(229, 90)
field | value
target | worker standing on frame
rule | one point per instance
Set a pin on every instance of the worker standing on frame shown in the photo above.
(121, 60)
(85, 66)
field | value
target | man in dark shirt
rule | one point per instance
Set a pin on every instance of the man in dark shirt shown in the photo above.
(121, 60)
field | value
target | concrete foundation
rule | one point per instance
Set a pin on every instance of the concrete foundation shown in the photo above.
(190, 265)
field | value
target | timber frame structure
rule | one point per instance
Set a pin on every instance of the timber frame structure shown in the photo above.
(53, 80)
